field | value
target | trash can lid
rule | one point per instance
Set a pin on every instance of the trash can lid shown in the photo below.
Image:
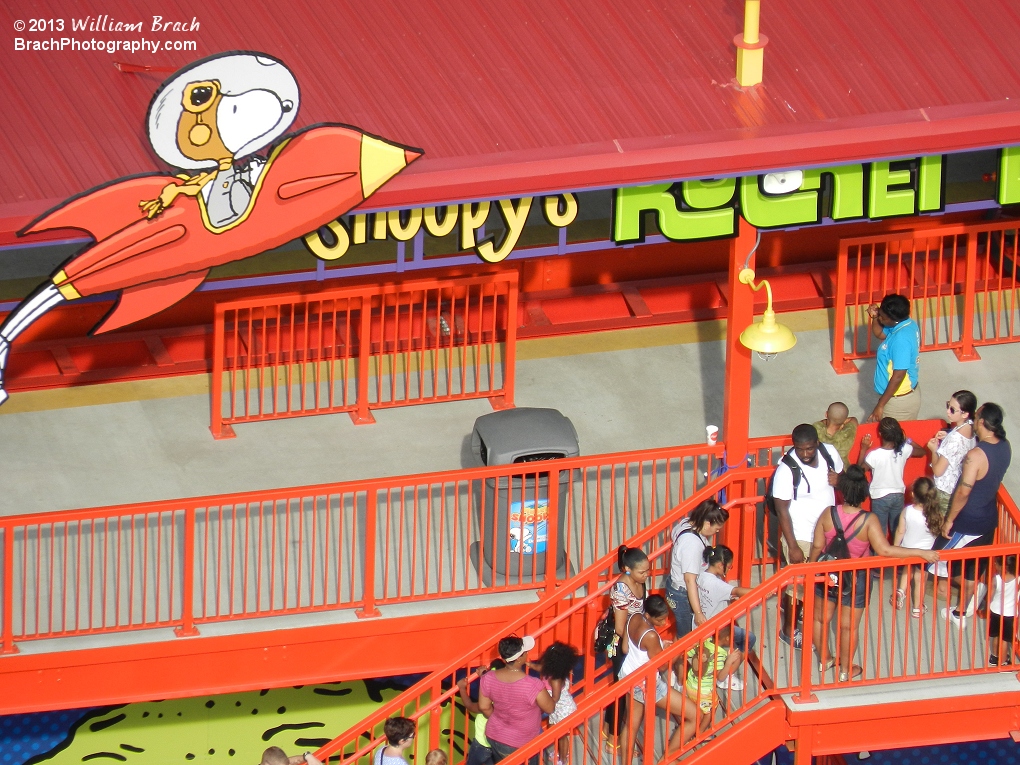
(514, 433)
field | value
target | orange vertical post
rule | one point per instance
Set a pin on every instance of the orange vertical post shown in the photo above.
(967, 352)
(368, 608)
(840, 363)
(552, 529)
(8, 646)
(187, 628)
(737, 390)
(361, 415)
(807, 653)
(506, 400)
(219, 430)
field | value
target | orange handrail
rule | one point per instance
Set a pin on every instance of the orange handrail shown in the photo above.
(573, 618)
(181, 563)
(890, 661)
(563, 616)
(371, 346)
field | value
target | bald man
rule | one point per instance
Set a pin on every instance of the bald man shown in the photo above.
(838, 428)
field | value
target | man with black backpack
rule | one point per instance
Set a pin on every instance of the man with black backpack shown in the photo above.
(800, 491)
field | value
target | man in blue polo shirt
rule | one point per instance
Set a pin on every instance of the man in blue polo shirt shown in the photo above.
(898, 356)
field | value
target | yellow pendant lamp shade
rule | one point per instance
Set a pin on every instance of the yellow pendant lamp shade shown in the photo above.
(766, 336)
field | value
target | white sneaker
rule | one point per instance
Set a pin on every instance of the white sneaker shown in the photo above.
(732, 683)
(979, 594)
(954, 617)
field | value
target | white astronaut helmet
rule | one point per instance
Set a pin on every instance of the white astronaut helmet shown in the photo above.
(260, 99)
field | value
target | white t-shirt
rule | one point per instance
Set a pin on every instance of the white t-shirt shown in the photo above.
(887, 470)
(813, 492)
(1002, 602)
(954, 448)
(714, 594)
(688, 554)
(915, 533)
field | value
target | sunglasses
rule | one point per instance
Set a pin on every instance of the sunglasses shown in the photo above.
(952, 409)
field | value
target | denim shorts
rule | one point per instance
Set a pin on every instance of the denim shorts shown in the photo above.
(847, 588)
(660, 690)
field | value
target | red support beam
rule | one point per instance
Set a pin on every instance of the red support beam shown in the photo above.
(737, 392)
(78, 678)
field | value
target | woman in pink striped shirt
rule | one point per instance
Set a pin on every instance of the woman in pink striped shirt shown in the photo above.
(512, 699)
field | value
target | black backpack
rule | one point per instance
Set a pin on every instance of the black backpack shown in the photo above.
(791, 462)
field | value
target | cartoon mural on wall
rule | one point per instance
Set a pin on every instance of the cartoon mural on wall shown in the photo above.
(157, 236)
(216, 730)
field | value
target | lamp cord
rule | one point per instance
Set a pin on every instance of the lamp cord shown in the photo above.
(757, 241)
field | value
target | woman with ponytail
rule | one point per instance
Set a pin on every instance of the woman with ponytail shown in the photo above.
(627, 598)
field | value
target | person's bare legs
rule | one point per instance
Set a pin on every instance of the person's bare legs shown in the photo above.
(823, 615)
(690, 712)
(917, 588)
(636, 714)
(849, 626)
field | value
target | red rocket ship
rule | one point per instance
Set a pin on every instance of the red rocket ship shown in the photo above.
(157, 236)
(308, 180)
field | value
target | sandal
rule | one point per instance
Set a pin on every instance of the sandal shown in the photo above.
(823, 668)
(854, 673)
(611, 744)
(898, 599)
(916, 612)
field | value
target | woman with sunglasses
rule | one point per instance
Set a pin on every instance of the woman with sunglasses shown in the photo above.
(948, 448)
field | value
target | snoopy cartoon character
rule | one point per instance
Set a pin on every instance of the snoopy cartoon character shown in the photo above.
(211, 120)
(157, 236)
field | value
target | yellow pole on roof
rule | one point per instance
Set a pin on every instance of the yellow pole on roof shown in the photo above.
(750, 46)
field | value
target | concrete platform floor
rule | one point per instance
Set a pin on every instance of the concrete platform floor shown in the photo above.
(624, 389)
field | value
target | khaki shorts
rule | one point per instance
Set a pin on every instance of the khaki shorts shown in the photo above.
(905, 407)
(805, 547)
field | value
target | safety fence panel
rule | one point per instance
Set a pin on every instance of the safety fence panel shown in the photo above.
(961, 282)
(355, 545)
(891, 645)
(85, 573)
(996, 311)
(359, 348)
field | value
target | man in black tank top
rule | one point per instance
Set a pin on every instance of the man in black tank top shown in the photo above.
(974, 514)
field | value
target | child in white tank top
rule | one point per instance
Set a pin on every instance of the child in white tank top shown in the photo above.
(919, 526)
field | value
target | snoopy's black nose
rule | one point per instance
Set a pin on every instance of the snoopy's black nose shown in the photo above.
(287, 106)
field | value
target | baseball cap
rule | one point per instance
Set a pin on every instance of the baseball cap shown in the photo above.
(528, 643)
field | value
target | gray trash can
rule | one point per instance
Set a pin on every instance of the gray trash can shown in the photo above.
(515, 523)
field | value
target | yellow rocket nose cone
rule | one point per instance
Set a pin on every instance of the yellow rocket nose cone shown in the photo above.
(380, 161)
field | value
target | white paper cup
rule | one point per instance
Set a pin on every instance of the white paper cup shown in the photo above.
(712, 431)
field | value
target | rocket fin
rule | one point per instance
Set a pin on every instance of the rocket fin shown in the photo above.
(139, 302)
(104, 211)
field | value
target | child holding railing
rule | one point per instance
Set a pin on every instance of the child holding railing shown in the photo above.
(919, 526)
(708, 663)
(479, 751)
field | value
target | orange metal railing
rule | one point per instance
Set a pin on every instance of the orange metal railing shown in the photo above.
(356, 545)
(891, 651)
(360, 348)
(569, 614)
(961, 281)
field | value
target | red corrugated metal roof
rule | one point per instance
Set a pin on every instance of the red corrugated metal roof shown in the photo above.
(538, 95)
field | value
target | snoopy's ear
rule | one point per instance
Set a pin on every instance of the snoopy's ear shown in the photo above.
(287, 106)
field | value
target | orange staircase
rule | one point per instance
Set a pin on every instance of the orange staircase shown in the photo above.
(922, 680)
